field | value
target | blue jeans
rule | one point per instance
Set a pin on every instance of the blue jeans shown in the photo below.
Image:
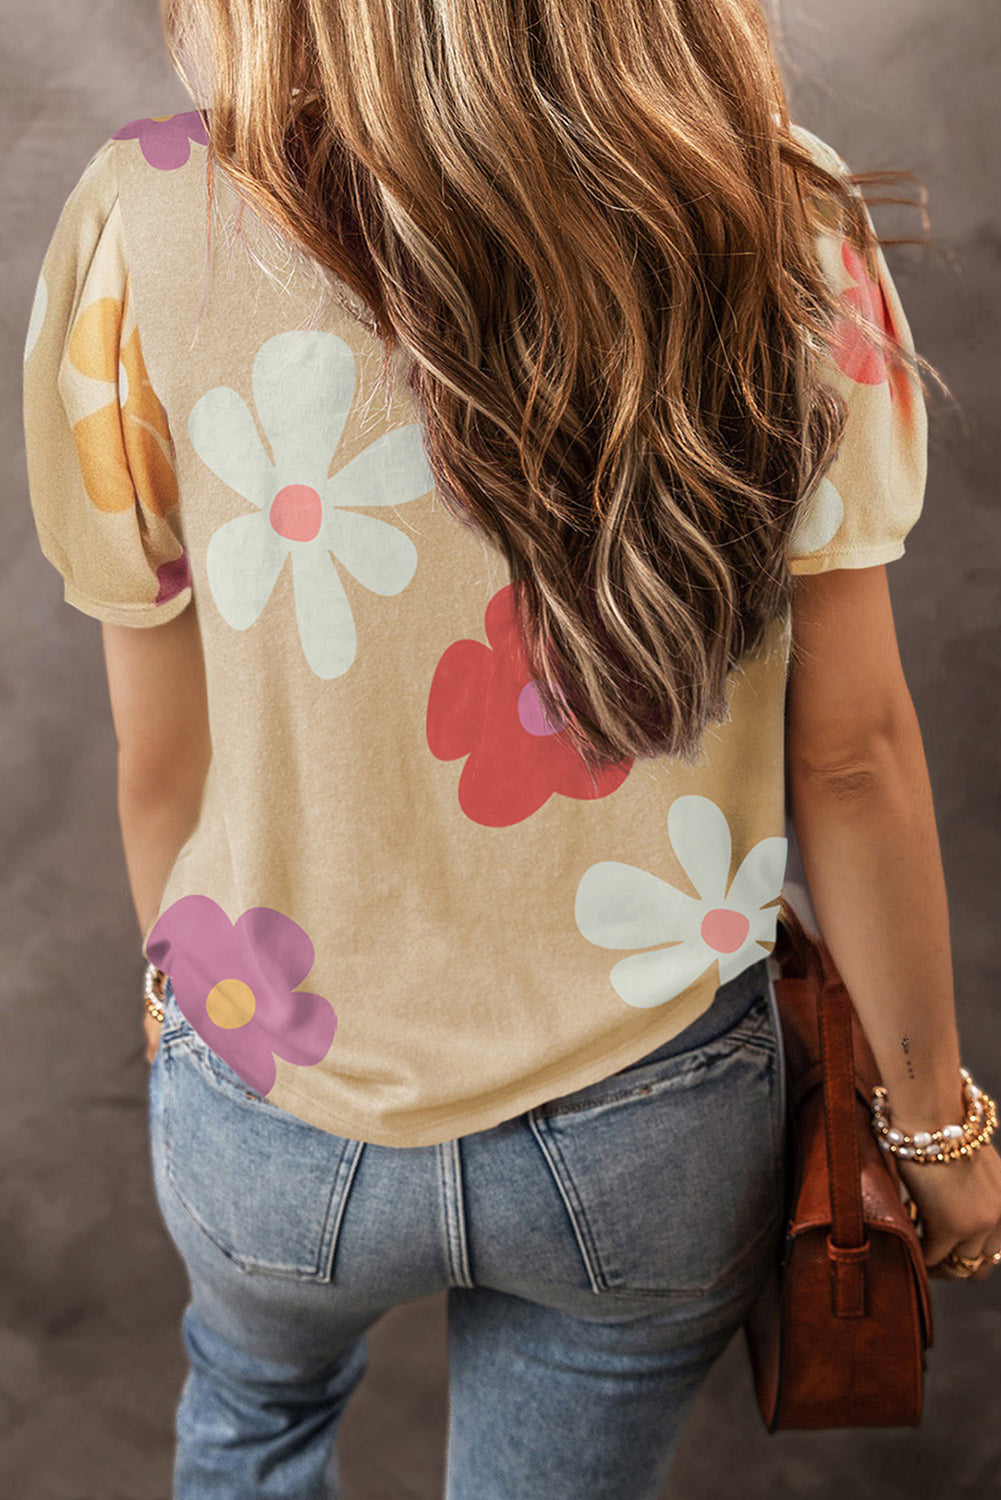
(599, 1252)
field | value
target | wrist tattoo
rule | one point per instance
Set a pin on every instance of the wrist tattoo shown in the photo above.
(905, 1042)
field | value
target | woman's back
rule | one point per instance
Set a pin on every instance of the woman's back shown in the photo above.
(407, 911)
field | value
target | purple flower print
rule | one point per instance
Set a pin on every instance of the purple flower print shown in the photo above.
(173, 577)
(235, 983)
(165, 140)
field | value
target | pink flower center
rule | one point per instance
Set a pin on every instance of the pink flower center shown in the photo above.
(724, 929)
(532, 713)
(296, 512)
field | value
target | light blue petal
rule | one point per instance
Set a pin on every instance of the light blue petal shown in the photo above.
(389, 471)
(620, 906)
(764, 925)
(700, 837)
(326, 626)
(732, 964)
(243, 560)
(652, 978)
(818, 522)
(379, 555)
(223, 435)
(760, 876)
(37, 319)
(304, 383)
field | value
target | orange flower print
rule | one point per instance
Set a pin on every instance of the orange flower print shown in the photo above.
(123, 443)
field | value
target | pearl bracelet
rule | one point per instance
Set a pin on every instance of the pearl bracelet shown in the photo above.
(153, 987)
(948, 1144)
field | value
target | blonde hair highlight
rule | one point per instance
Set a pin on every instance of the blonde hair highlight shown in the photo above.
(588, 229)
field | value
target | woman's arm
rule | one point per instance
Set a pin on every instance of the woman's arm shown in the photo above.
(871, 854)
(156, 683)
(865, 824)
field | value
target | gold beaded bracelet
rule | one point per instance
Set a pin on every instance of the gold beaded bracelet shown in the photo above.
(948, 1144)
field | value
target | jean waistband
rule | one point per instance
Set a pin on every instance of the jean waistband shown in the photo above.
(730, 1004)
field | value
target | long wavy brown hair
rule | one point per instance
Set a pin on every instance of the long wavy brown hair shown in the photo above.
(588, 228)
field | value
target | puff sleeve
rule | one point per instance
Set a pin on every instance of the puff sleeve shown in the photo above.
(101, 475)
(872, 492)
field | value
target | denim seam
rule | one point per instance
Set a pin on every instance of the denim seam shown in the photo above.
(246, 1263)
(774, 1114)
(776, 1016)
(746, 1257)
(453, 1259)
(641, 1090)
(203, 1054)
(566, 1187)
(459, 1267)
(343, 1181)
(584, 1234)
(247, 1267)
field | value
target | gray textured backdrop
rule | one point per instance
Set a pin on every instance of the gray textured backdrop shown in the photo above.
(91, 1289)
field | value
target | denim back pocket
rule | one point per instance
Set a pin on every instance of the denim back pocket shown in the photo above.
(267, 1188)
(671, 1170)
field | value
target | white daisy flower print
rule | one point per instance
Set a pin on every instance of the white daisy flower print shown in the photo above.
(621, 906)
(304, 385)
(819, 520)
(36, 322)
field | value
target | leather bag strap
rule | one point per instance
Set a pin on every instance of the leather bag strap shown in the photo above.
(847, 1243)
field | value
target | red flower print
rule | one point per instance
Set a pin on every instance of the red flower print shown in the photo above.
(856, 355)
(172, 577)
(483, 704)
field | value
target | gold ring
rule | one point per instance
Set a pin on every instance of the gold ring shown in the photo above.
(964, 1263)
(950, 1268)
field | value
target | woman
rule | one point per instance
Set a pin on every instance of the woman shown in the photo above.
(453, 784)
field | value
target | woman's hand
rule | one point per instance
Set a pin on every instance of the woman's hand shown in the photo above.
(960, 1203)
(152, 1028)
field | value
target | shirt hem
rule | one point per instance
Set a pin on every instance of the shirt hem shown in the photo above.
(146, 613)
(485, 1118)
(831, 558)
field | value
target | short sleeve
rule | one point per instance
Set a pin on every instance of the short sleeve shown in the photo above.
(102, 480)
(872, 492)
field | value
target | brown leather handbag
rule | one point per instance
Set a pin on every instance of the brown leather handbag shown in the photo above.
(839, 1335)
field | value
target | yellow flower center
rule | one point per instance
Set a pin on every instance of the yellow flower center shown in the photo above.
(230, 1003)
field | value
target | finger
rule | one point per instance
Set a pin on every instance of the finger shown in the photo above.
(936, 1248)
(935, 1251)
(971, 1250)
(972, 1246)
(988, 1268)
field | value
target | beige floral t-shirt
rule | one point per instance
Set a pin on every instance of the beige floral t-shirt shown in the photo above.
(405, 913)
